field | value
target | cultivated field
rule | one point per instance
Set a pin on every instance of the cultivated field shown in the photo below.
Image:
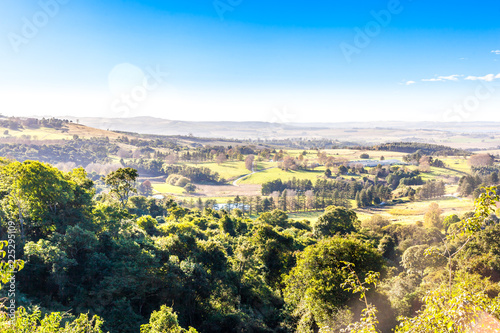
(411, 212)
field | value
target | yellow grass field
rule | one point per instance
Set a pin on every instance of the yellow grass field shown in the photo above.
(46, 133)
(167, 188)
(276, 173)
(412, 212)
(456, 163)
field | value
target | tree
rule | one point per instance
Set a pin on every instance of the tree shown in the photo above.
(376, 222)
(164, 320)
(335, 220)
(147, 223)
(480, 160)
(415, 261)
(313, 287)
(288, 163)
(432, 217)
(328, 173)
(425, 163)
(190, 188)
(249, 160)
(42, 198)
(221, 158)
(275, 218)
(460, 303)
(368, 321)
(48, 323)
(431, 189)
(275, 251)
(7, 269)
(34, 322)
(465, 308)
(449, 220)
(343, 170)
(146, 188)
(122, 184)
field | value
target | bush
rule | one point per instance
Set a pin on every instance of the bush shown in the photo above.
(376, 223)
(147, 222)
(182, 182)
(190, 187)
(177, 180)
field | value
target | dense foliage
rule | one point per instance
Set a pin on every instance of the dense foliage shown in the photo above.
(119, 261)
(424, 148)
(80, 151)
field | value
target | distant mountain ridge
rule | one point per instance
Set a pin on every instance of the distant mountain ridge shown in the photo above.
(153, 125)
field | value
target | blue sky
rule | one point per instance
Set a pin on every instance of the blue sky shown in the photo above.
(252, 60)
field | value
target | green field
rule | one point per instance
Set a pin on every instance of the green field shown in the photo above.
(232, 169)
(310, 216)
(276, 173)
(167, 188)
(227, 170)
(439, 174)
(354, 154)
(311, 154)
(456, 163)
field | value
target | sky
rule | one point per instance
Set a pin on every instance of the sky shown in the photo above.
(252, 60)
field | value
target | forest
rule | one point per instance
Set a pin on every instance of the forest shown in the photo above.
(122, 262)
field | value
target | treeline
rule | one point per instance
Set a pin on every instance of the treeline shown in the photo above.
(80, 151)
(302, 143)
(373, 194)
(420, 158)
(155, 148)
(431, 189)
(218, 154)
(279, 186)
(425, 148)
(326, 192)
(153, 143)
(195, 174)
(470, 185)
(154, 168)
(403, 177)
(288, 200)
(15, 123)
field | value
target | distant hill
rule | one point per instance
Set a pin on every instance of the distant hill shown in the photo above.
(464, 135)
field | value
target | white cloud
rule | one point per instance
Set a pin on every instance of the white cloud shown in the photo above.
(443, 78)
(487, 78)
(496, 52)
(451, 77)
(457, 77)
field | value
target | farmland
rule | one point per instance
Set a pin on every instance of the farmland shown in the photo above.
(237, 181)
